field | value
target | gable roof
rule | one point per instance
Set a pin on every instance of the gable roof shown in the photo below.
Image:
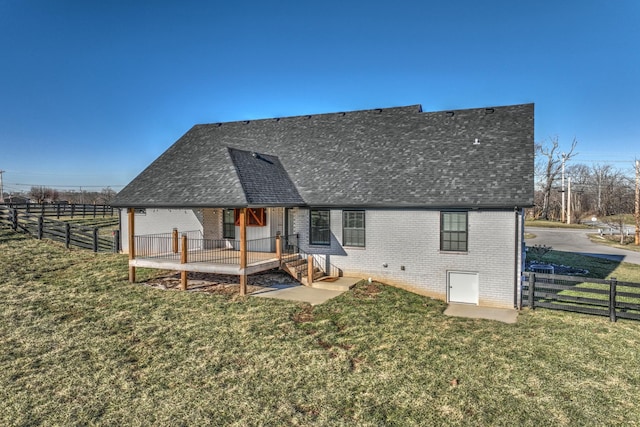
(391, 157)
(264, 180)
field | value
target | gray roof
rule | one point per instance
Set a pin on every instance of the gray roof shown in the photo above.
(390, 157)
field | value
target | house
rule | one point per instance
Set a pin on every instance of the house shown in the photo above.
(428, 201)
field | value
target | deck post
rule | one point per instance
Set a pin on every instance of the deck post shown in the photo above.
(279, 248)
(309, 270)
(183, 260)
(132, 243)
(175, 240)
(243, 251)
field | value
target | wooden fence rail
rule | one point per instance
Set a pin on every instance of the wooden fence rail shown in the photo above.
(603, 297)
(61, 231)
(63, 209)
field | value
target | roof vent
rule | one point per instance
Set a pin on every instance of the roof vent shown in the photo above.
(277, 119)
(476, 142)
(219, 124)
(378, 110)
(309, 116)
(450, 113)
(342, 113)
(246, 122)
(489, 110)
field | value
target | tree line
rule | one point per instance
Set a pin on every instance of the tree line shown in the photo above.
(599, 190)
(42, 194)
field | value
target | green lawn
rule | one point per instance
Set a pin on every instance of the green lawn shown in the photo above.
(81, 346)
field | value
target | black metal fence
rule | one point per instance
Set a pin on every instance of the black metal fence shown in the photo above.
(59, 210)
(216, 251)
(70, 234)
(602, 297)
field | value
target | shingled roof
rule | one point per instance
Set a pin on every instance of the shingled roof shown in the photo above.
(390, 157)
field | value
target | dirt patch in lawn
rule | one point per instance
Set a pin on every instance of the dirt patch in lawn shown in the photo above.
(221, 283)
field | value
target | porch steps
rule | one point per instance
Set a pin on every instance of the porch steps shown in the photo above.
(297, 268)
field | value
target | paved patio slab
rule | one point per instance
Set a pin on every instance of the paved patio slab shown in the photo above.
(298, 293)
(506, 315)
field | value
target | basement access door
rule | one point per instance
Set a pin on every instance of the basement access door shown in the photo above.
(463, 287)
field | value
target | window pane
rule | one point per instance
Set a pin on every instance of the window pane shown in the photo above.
(319, 228)
(454, 231)
(228, 224)
(353, 228)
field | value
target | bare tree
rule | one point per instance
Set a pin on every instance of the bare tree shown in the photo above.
(617, 201)
(549, 161)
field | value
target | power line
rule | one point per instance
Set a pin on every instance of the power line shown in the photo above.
(64, 186)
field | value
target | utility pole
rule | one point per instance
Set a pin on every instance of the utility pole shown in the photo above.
(1, 188)
(569, 202)
(564, 157)
(637, 202)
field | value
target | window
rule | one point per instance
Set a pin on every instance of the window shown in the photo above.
(353, 228)
(453, 231)
(319, 230)
(228, 224)
(255, 217)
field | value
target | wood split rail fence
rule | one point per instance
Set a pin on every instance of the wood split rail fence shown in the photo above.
(603, 297)
(70, 234)
(63, 209)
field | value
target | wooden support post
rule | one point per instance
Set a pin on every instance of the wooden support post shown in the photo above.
(613, 284)
(243, 251)
(183, 260)
(67, 234)
(95, 239)
(40, 227)
(175, 240)
(132, 242)
(279, 248)
(532, 290)
(309, 270)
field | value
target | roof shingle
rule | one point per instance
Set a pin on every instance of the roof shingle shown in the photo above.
(391, 157)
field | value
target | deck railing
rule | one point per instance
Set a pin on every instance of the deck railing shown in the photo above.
(214, 251)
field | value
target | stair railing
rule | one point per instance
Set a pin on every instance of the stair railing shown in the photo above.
(291, 248)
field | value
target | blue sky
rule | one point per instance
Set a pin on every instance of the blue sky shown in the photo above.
(91, 92)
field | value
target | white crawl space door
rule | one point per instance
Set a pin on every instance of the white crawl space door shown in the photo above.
(463, 287)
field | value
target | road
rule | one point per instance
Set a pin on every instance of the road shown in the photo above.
(572, 240)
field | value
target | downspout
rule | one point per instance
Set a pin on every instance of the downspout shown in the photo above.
(516, 267)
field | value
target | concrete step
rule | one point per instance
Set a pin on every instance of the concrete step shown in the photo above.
(340, 284)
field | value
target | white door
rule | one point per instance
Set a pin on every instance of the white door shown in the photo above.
(463, 287)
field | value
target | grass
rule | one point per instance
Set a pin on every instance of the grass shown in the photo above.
(614, 241)
(81, 346)
(552, 224)
(599, 268)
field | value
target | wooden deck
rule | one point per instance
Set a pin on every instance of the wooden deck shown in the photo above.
(211, 261)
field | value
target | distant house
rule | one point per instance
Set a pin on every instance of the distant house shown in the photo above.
(429, 201)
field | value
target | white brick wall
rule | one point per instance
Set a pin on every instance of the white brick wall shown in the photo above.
(411, 239)
(159, 221)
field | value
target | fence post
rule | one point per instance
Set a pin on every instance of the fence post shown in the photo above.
(116, 241)
(40, 227)
(58, 211)
(14, 220)
(95, 239)
(73, 209)
(613, 284)
(183, 260)
(67, 234)
(42, 209)
(532, 290)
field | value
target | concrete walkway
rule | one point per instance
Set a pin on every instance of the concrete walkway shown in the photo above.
(506, 315)
(311, 295)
